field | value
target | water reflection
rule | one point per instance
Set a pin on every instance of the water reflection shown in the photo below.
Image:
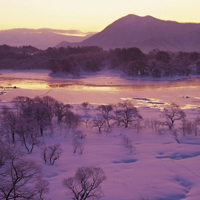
(84, 84)
(95, 87)
(30, 85)
(190, 106)
(84, 87)
(134, 85)
(138, 91)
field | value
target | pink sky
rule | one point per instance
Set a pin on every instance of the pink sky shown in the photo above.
(90, 15)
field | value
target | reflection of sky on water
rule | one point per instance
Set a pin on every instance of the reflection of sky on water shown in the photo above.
(104, 87)
(98, 83)
(190, 106)
(24, 83)
(31, 85)
(84, 87)
(159, 90)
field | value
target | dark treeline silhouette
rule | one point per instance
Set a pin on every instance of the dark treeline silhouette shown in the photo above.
(77, 60)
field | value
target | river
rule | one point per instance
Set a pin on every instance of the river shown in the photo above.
(103, 87)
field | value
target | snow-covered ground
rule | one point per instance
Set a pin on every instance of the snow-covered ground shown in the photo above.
(159, 169)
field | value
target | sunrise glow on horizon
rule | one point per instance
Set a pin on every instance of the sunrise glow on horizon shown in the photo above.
(90, 15)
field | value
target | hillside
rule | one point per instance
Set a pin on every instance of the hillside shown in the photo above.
(148, 33)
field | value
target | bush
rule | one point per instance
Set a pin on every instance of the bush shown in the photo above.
(85, 184)
(126, 142)
(51, 153)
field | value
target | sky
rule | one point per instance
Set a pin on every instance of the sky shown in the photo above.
(90, 15)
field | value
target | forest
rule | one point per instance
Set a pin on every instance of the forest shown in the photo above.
(75, 61)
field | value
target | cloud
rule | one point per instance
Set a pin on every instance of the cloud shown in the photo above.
(48, 30)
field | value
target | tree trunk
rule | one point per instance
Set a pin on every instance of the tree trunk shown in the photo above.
(41, 131)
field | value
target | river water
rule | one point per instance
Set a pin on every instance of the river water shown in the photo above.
(103, 87)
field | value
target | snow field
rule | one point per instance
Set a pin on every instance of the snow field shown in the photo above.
(159, 169)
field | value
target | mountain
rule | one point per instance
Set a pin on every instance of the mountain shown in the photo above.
(40, 38)
(147, 33)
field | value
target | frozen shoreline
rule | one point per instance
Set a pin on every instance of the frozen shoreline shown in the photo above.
(101, 88)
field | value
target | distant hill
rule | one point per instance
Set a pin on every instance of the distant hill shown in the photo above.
(39, 38)
(66, 44)
(147, 33)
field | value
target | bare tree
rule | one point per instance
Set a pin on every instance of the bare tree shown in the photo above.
(86, 107)
(157, 126)
(22, 104)
(38, 109)
(137, 124)
(49, 101)
(105, 111)
(86, 183)
(42, 115)
(42, 187)
(9, 121)
(19, 179)
(86, 119)
(2, 157)
(188, 127)
(4, 136)
(79, 134)
(51, 153)
(77, 146)
(172, 114)
(127, 142)
(126, 113)
(28, 134)
(71, 120)
(4, 153)
(99, 123)
(117, 116)
(197, 122)
(60, 110)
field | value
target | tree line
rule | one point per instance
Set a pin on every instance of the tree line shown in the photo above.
(75, 61)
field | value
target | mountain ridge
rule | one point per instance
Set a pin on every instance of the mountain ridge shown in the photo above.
(147, 33)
